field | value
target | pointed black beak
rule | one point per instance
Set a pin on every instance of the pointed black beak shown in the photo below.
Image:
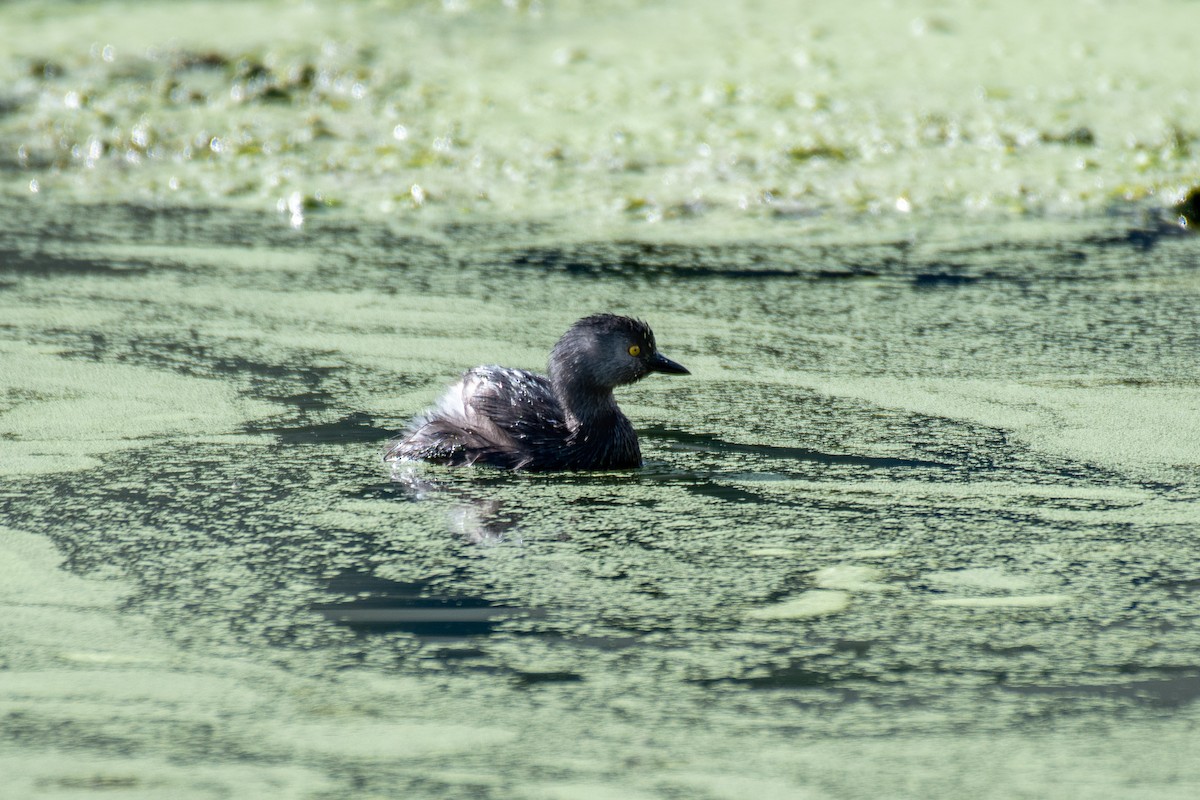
(660, 363)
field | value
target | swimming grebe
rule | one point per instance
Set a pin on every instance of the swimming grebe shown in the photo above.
(569, 420)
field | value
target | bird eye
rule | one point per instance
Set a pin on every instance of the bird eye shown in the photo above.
(635, 350)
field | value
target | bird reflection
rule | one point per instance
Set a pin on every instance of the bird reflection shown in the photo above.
(477, 520)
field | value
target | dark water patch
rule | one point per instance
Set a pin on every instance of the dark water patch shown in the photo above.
(1184, 586)
(927, 265)
(1009, 650)
(184, 60)
(936, 280)
(1082, 136)
(387, 490)
(692, 263)
(1171, 693)
(357, 254)
(103, 783)
(304, 387)
(488, 233)
(304, 401)
(8, 104)
(1147, 235)
(794, 676)
(1089, 259)
(49, 265)
(538, 678)
(643, 260)
(420, 608)
(450, 620)
(686, 440)
(799, 675)
(194, 356)
(125, 224)
(847, 273)
(354, 427)
(728, 494)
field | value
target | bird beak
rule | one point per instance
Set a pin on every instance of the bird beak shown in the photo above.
(660, 363)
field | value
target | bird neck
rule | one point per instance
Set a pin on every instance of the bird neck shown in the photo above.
(587, 406)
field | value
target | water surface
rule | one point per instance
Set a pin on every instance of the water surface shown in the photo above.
(916, 504)
(921, 523)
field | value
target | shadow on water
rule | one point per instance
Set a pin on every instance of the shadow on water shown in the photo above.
(685, 440)
(354, 427)
(48, 265)
(1144, 237)
(451, 625)
(418, 607)
(478, 519)
(934, 280)
(1171, 692)
(687, 262)
(798, 676)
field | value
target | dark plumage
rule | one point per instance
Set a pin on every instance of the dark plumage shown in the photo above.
(569, 420)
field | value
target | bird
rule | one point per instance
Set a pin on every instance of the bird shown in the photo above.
(566, 420)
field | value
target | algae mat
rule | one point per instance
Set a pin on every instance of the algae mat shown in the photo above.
(921, 523)
(603, 115)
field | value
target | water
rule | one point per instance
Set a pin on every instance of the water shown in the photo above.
(907, 528)
(920, 523)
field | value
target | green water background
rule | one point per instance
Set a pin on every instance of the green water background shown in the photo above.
(921, 523)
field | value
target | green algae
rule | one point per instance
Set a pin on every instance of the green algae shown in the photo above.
(58, 414)
(853, 535)
(813, 603)
(920, 523)
(421, 113)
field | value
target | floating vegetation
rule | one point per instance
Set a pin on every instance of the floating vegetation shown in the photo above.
(1082, 136)
(417, 98)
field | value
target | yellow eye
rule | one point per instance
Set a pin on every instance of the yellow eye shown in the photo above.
(635, 350)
